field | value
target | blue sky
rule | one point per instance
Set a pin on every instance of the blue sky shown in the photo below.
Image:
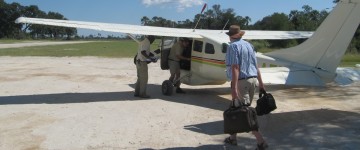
(131, 11)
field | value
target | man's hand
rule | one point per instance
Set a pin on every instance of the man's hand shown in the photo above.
(153, 59)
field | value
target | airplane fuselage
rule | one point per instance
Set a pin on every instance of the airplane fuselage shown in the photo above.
(207, 66)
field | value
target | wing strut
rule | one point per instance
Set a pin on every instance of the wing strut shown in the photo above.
(132, 36)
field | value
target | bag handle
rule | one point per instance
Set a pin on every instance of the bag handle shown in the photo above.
(262, 92)
(240, 103)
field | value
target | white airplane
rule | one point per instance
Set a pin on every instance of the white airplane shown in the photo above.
(314, 62)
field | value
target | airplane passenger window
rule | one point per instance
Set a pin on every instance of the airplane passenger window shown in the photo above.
(198, 45)
(224, 47)
(209, 48)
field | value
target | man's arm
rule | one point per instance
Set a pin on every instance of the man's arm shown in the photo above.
(182, 57)
(235, 69)
(150, 57)
(145, 55)
(261, 84)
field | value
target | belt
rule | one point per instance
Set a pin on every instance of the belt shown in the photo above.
(248, 78)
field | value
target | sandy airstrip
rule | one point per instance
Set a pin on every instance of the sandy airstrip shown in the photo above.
(87, 103)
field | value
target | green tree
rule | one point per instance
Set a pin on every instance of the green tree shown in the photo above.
(306, 20)
(8, 14)
(145, 20)
(52, 31)
(276, 21)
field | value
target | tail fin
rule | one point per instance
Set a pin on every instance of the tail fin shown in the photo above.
(328, 44)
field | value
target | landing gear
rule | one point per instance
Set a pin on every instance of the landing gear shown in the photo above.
(167, 87)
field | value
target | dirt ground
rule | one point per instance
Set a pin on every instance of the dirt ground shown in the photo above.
(88, 103)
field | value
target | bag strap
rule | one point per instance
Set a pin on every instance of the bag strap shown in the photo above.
(262, 92)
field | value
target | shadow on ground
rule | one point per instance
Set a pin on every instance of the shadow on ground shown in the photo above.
(310, 129)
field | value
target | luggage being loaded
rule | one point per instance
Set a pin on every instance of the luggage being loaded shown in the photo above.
(240, 119)
(265, 104)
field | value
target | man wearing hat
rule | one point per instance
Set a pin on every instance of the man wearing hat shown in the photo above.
(244, 74)
(175, 56)
(142, 59)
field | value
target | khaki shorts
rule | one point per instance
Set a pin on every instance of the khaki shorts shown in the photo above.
(247, 90)
(174, 66)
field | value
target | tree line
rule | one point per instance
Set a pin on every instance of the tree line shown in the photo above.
(215, 17)
(9, 29)
(306, 19)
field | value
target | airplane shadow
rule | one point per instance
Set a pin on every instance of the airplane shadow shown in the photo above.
(198, 97)
(204, 97)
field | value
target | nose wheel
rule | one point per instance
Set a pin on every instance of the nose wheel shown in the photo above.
(167, 87)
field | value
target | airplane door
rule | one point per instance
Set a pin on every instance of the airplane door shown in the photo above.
(165, 46)
(185, 64)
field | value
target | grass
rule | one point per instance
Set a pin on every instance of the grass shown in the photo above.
(9, 41)
(350, 60)
(121, 48)
(113, 49)
(124, 48)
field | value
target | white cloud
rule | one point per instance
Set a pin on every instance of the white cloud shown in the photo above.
(179, 4)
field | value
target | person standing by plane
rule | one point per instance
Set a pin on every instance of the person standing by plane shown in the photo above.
(175, 56)
(244, 74)
(142, 59)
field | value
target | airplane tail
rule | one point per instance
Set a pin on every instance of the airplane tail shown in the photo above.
(324, 50)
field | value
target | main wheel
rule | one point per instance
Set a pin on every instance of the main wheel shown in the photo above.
(167, 87)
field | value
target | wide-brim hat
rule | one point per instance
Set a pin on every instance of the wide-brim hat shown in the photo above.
(235, 32)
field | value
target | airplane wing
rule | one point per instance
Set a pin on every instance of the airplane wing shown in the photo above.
(219, 35)
(120, 28)
(163, 31)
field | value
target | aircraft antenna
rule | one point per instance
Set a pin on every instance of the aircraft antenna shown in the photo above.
(225, 26)
(200, 17)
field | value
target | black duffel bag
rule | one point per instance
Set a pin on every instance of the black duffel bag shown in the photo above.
(265, 104)
(240, 119)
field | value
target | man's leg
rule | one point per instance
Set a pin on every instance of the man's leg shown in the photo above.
(258, 136)
(261, 144)
(244, 86)
(247, 90)
(143, 79)
(137, 84)
(178, 83)
(231, 139)
(172, 71)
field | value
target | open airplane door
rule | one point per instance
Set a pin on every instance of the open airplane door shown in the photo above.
(165, 45)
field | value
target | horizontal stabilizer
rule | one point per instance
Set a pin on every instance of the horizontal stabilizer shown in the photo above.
(290, 76)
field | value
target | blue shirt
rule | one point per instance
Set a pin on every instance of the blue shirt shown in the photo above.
(242, 53)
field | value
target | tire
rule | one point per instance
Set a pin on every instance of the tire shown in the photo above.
(167, 88)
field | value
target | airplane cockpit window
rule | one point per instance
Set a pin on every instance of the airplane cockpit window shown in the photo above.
(209, 48)
(224, 47)
(198, 45)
